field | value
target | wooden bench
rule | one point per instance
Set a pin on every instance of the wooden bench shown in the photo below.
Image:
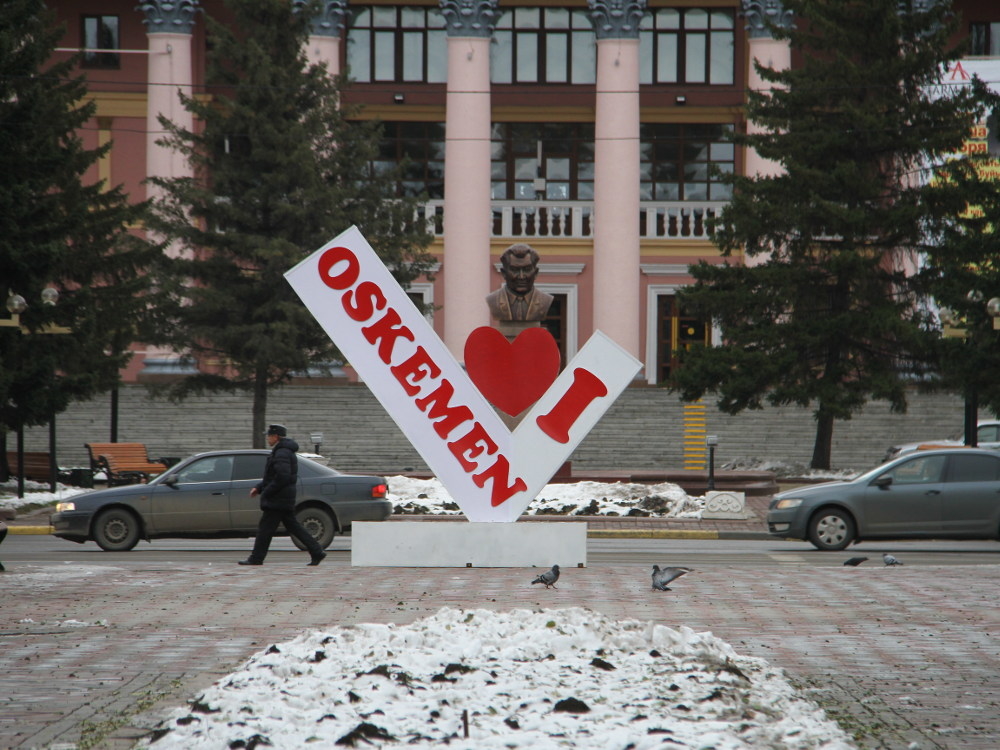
(124, 463)
(36, 465)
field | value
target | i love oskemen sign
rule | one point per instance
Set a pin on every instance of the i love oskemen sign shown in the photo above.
(491, 472)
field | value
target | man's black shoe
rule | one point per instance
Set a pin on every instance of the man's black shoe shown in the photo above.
(250, 562)
(317, 559)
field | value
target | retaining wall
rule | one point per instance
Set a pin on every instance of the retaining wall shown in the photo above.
(645, 429)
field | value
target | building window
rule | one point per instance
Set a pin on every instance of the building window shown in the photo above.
(685, 162)
(419, 146)
(421, 294)
(101, 33)
(542, 161)
(543, 45)
(397, 43)
(692, 45)
(984, 39)
(675, 332)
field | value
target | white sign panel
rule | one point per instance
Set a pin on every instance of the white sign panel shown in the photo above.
(491, 473)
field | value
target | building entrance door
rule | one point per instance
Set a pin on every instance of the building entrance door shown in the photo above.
(675, 332)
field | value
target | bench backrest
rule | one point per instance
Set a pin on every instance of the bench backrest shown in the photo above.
(37, 465)
(123, 457)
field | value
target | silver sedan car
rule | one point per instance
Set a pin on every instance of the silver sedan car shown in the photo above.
(987, 436)
(934, 494)
(207, 495)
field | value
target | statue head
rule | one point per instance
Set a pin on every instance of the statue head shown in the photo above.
(519, 266)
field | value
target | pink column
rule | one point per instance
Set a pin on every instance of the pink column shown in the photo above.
(616, 174)
(771, 53)
(467, 210)
(170, 71)
(324, 49)
(169, 24)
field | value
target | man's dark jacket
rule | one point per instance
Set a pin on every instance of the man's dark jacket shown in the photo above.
(281, 474)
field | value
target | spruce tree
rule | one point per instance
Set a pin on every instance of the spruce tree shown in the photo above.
(961, 273)
(825, 312)
(59, 229)
(281, 168)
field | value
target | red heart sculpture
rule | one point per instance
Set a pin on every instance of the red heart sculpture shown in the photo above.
(512, 375)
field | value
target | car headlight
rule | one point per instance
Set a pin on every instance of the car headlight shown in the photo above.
(787, 503)
(63, 507)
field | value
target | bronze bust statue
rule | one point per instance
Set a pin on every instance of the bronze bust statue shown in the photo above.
(517, 299)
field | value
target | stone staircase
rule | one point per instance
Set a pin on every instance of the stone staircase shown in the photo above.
(643, 434)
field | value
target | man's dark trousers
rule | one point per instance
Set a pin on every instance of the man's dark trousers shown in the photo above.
(269, 521)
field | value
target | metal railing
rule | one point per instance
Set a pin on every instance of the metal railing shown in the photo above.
(687, 220)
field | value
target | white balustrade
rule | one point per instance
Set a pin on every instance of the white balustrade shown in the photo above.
(661, 220)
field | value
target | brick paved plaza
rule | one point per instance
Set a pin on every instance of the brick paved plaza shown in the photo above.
(94, 653)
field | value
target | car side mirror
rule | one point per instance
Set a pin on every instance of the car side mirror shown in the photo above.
(171, 480)
(883, 481)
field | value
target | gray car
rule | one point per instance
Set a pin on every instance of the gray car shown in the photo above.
(940, 494)
(987, 436)
(207, 495)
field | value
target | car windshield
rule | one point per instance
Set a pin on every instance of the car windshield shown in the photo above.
(869, 474)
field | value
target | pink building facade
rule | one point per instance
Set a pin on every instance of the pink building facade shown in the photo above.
(594, 131)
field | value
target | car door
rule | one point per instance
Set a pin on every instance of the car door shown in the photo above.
(195, 498)
(906, 499)
(971, 500)
(248, 470)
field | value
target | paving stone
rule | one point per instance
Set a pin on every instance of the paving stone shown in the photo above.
(898, 656)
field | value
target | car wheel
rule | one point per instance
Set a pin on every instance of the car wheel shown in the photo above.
(116, 530)
(831, 529)
(319, 523)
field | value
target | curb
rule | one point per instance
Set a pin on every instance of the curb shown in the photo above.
(651, 534)
(591, 533)
(676, 534)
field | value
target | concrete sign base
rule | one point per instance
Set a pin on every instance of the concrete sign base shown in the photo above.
(458, 544)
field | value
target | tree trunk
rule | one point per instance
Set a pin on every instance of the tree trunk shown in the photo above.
(823, 447)
(259, 408)
(4, 469)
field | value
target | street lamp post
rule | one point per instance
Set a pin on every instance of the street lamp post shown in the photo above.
(16, 304)
(317, 438)
(712, 441)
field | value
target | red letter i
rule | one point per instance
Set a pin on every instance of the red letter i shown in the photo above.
(585, 388)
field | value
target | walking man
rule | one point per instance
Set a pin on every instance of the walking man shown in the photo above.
(277, 498)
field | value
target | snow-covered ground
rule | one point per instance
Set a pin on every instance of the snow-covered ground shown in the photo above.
(576, 498)
(34, 494)
(482, 680)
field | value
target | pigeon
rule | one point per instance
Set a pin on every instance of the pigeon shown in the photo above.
(855, 561)
(663, 576)
(549, 577)
(890, 560)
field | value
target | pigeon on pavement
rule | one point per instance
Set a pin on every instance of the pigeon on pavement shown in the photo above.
(890, 560)
(855, 561)
(663, 576)
(549, 577)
